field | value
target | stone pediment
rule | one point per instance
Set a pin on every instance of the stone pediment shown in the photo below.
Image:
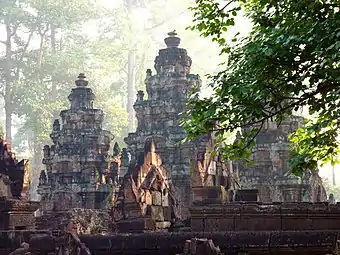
(130, 190)
(154, 180)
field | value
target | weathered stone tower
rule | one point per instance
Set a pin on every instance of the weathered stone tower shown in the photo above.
(158, 118)
(77, 163)
(268, 174)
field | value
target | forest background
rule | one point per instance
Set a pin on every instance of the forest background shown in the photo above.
(45, 44)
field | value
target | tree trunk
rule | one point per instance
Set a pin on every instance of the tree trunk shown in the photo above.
(8, 83)
(131, 89)
(8, 128)
(131, 72)
(54, 51)
(37, 162)
(37, 145)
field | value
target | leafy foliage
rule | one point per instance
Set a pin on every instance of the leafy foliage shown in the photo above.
(291, 59)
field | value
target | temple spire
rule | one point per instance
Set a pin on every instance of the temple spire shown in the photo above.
(172, 41)
(81, 82)
(82, 96)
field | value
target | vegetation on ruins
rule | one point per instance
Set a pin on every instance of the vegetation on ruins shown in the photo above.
(290, 60)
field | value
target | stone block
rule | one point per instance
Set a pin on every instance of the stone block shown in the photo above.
(133, 212)
(197, 225)
(43, 242)
(81, 221)
(270, 222)
(17, 214)
(247, 195)
(136, 225)
(148, 198)
(162, 224)
(297, 222)
(167, 213)
(155, 212)
(211, 225)
(320, 222)
(165, 199)
(226, 224)
(156, 197)
(21, 221)
(209, 195)
(241, 224)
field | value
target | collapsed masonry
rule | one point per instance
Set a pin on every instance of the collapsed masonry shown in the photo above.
(144, 201)
(16, 211)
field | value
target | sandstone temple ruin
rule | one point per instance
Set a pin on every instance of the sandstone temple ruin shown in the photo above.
(77, 162)
(81, 172)
(268, 174)
(160, 195)
(158, 115)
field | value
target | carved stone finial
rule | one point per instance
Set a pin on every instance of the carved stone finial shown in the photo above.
(172, 33)
(173, 40)
(56, 125)
(81, 82)
(46, 151)
(116, 149)
(125, 158)
(140, 95)
(42, 178)
(331, 199)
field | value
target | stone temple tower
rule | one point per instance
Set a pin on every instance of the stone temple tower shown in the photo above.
(158, 116)
(268, 173)
(77, 162)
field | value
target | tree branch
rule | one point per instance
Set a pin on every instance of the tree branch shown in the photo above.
(254, 137)
(2, 94)
(321, 89)
(23, 54)
(14, 31)
(221, 10)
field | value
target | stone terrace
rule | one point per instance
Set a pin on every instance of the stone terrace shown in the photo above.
(241, 242)
(255, 216)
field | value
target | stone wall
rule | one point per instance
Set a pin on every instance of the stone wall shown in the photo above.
(17, 214)
(265, 217)
(232, 243)
(80, 221)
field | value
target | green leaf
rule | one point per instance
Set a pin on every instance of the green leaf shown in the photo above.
(289, 61)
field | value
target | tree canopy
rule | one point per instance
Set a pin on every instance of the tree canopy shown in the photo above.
(289, 61)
